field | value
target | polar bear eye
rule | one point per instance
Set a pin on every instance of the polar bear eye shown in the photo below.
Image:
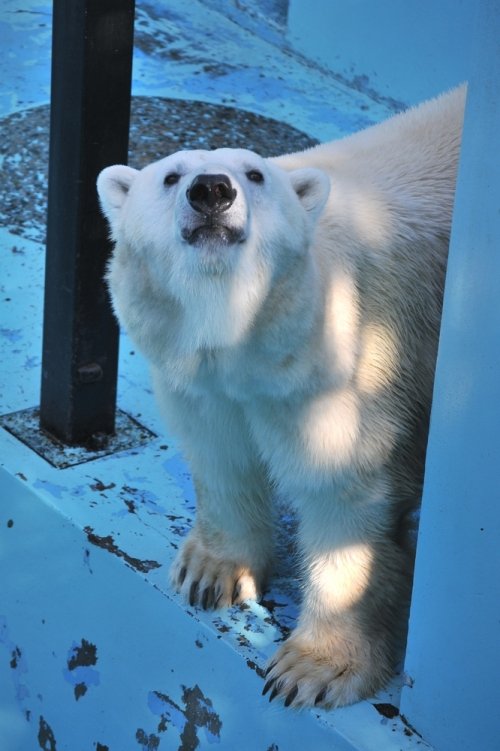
(171, 178)
(255, 176)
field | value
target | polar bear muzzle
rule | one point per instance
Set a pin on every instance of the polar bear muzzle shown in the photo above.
(210, 194)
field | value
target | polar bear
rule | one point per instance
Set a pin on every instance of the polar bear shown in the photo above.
(290, 309)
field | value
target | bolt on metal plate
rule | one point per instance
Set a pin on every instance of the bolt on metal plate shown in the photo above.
(25, 426)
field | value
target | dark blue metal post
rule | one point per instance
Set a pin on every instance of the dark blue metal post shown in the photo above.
(90, 107)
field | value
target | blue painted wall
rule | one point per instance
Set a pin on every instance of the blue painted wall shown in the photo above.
(454, 644)
(408, 51)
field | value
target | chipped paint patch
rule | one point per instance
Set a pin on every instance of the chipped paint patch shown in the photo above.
(134, 497)
(83, 655)
(198, 714)
(80, 672)
(46, 738)
(147, 742)
(99, 486)
(13, 335)
(18, 666)
(108, 543)
(387, 710)
(253, 666)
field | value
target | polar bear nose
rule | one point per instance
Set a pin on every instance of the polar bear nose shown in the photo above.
(210, 194)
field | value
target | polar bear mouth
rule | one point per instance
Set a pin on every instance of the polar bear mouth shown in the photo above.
(213, 233)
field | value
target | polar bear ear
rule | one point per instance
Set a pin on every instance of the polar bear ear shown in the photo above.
(312, 186)
(113, 185)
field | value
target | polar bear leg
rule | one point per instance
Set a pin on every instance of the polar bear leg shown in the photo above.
(351, 624)
(227, 555)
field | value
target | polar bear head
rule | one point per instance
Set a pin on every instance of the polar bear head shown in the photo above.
(212, 225)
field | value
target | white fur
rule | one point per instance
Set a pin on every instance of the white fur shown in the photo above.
(299, 356)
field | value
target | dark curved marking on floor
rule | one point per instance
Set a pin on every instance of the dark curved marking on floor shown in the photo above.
(83, 656)
(46, 738)
(387, 710)
(108, 543)
(198, 713)
(147, 742)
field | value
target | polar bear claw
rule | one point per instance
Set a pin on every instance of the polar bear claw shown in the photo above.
(210, 582)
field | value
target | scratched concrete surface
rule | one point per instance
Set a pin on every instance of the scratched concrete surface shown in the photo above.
(96, 652)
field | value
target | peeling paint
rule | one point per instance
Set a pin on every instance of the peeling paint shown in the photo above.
(46, 739)
(409, 730)
(221, 626)
(201, 640)
(253, 666)
(82, 656)
(141, 497)
(86, 560)
(198, 714)
(387, 710)
(181, 529)
(18, 666)
(107, 543)
(16, 654)
(80, 673)
(147, 742)
(80, 690)
(101, 486)
(270, 605)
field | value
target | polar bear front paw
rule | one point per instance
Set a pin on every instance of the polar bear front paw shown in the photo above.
(306, 674)
(210, 581)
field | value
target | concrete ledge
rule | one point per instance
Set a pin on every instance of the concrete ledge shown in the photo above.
(97, 653)
(94, 657)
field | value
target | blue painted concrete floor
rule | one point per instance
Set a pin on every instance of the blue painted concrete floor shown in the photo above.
(96, 652)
